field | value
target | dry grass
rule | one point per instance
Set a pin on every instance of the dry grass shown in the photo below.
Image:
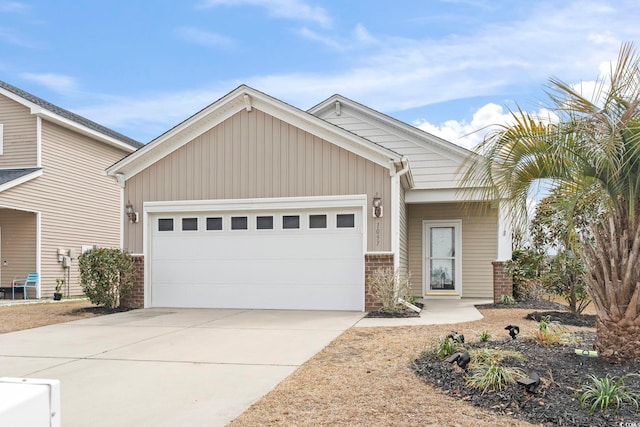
(26, 316)
(364, 378)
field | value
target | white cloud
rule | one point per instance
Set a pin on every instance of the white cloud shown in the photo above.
(484, 121)
(289, 9)
(14, 6)
(56, 82)
(204, 38)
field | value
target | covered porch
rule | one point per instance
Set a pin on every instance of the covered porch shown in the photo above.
(19, 250)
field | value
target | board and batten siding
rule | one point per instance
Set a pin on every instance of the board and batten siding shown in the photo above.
(19, 135)
(255, 155)
(430, 168)
(403, 252)
(78, 203)
(479, 245)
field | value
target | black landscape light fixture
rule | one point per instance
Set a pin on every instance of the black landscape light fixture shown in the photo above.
(531, 382)
(513, 331)
(456, 337)
(462, 359)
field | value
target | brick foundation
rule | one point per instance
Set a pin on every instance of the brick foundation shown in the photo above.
(136, 299)
(502, 283)
(372, 262)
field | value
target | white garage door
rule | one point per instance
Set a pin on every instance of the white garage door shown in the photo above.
(264, 259)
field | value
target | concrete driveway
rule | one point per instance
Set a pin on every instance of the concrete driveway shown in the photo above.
(169, 367)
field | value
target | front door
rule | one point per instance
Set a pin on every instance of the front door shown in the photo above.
(442, 266)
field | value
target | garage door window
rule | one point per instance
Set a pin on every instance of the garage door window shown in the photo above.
(264, 223)
(165, 224)
(239, 223)
(290, 221)
(317, 221)
(189, 224)
(345, 221)
(214, 223)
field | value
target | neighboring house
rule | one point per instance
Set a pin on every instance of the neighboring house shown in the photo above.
(253, 203)
(55, 198)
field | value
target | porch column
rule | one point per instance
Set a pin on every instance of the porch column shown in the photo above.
(502, 283)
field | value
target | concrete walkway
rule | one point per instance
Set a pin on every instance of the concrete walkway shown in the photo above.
(191, 367)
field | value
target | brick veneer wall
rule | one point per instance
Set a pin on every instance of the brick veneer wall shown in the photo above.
(502, 283)
(136, 299)
(372, 262)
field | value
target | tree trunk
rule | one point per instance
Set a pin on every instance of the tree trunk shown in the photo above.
(617, 341)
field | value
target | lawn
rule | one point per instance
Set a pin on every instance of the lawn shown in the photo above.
(366, 377)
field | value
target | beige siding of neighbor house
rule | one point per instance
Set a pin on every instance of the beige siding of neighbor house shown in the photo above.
(255, 155)
(78, 203)
(479, 245)
(19, 135)
(431, 168)
(18, 231)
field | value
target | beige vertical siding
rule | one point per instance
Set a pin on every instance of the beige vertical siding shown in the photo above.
(18, 250)
(79, 204)
(254, 155)
(431, 167)
(19, 140)
(403, 231)
(479, 245)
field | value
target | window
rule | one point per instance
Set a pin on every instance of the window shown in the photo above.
(345, 220)
(264, 223)
(214, 223)
(290, 221)
(239, 223)
(165, 224)
(189, 224)
(317, 221)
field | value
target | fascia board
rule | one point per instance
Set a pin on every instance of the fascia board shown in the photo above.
(70, 124)
(21, 180)
(443, 195)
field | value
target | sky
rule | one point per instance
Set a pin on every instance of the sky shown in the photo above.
(450, 67)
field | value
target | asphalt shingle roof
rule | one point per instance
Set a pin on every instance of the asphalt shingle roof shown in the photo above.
(71, 116)
(8, 175)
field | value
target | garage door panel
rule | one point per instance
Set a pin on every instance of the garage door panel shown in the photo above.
(321, 269)
(285, 297)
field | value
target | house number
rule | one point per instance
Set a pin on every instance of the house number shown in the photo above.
(378, 234)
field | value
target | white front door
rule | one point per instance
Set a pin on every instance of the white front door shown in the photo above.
(442, 258)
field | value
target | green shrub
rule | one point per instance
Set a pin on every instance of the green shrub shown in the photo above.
(493, 376)
(507, 300)
(603, 392)
(106, 275)
(445, 347)
(484, 336)
(525, 267)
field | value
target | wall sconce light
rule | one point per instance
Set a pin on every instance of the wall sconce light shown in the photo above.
(377, 206)
(131, 214)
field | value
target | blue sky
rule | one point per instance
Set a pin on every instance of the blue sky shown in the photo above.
(447, 66)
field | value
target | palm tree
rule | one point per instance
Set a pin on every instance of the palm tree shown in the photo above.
(591, 146)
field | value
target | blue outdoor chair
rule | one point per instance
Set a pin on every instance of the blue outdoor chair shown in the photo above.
(31, 281)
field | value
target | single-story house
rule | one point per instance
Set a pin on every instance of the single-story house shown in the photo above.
(55, 198)
(254, 203)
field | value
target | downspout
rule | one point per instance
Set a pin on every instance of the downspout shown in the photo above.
(396, 176)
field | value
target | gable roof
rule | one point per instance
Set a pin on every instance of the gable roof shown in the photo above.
(435, 142)
(245, 97)
(66, 118)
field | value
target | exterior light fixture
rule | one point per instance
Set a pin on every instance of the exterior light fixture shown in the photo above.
(131, 214)
(377, 206)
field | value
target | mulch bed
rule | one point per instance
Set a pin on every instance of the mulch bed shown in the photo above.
(100, 310)
(562, 372)
(400, 314)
